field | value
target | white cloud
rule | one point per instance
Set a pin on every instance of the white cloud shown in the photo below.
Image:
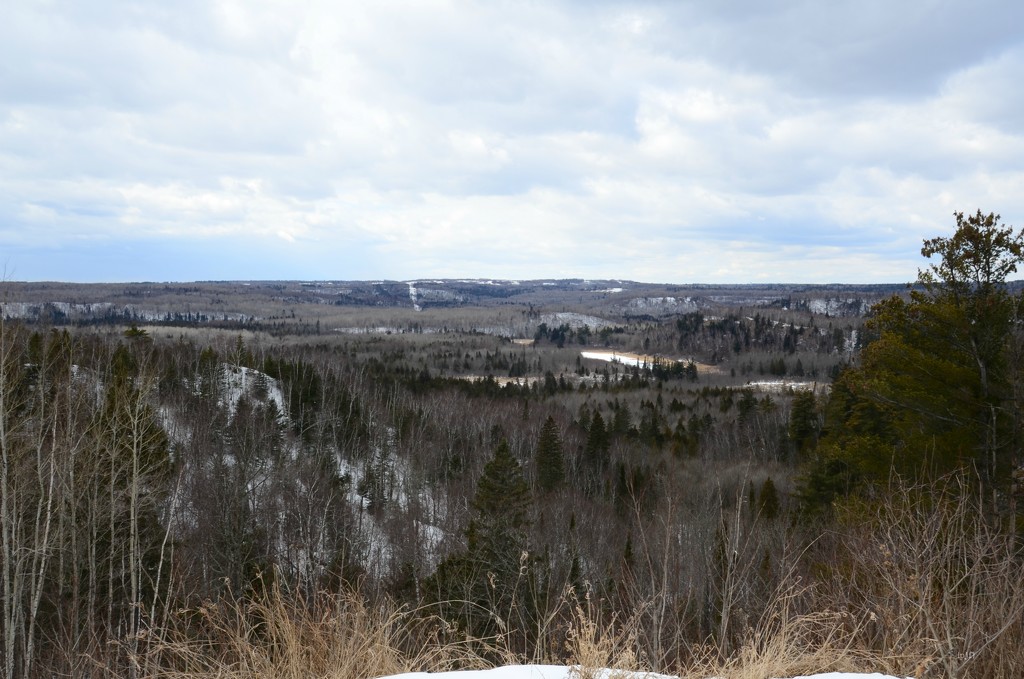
(622, 139)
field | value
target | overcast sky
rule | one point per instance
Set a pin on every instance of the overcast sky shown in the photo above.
(713, 141)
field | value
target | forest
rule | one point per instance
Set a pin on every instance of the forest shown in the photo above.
(283, 486)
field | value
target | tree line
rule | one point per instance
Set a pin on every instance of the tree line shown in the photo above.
(144, 477)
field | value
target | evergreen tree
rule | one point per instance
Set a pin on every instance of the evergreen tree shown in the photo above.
(550, 460)
(803, 420)
(622, 421)
(490, 582)
(935, 389)
(768, 499)
(596, 451)
(502, 513)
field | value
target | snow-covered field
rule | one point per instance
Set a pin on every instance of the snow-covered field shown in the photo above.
(643, 360)
(623, 357)
(670, 305)
(131, 312)
(560, 672)
(850, 306)
(780, 386)
(238, 380)
(575, 320)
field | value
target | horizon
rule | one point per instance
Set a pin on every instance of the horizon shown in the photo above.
(482, 280)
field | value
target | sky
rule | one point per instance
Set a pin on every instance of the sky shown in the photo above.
(736, 141)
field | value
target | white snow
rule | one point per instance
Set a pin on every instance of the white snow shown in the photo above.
(779, 386)
(238, 380)
(574, 320)
(572, 672)
(838, 307)
(412, 295)
(401, 490)
(98, 309)
(851, 343)
(625, 358)
(663, 304)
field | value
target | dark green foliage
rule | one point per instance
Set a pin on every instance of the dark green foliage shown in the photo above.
(768, 500)
(803, 421)
(596, 451)
(393, 422)
(549, 458)
(747, 405)
(934, 390)
(136, 333)
(491, 580)
(621, 420)
(502, 511)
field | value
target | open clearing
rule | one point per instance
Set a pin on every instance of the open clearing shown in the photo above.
(643, 360)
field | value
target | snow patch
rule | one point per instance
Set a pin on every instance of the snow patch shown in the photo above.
(850, 306)
(575, 672)
(238, 380)
(663, 304)
(575, 320)
(412, 295)
(780, 386)
(626, 358)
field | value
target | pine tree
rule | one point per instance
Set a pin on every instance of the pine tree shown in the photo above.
(596, 451)
(768, 499)
(803, 420)
(502, 506)
(489, 581)
(622, 421)
(936, 390)
(550, 460)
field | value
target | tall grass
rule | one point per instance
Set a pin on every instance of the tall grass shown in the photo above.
(274, 636)
(920, 585)
(341, 636)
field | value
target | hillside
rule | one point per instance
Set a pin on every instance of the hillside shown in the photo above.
(678, 472)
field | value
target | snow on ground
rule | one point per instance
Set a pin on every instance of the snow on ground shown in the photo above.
(851, 343)
(100, 309)
(623, 357)
(238, 380)
(412, 295)
(779, 386)
(663, 304)
(35, 309)
(397, 488)
(574, 320)
(644, 360)
(480, 281)
(851, 306)
(501, 380)
(559, 672)
(373, 330)
(177, 431)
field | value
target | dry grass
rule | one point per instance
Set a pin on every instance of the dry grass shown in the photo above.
(341, 637)
(939, 583)
(927, 588)
(338, 636)
(593, 646)
(786, 645)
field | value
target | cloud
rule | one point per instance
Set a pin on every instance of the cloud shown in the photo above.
(660, 141)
